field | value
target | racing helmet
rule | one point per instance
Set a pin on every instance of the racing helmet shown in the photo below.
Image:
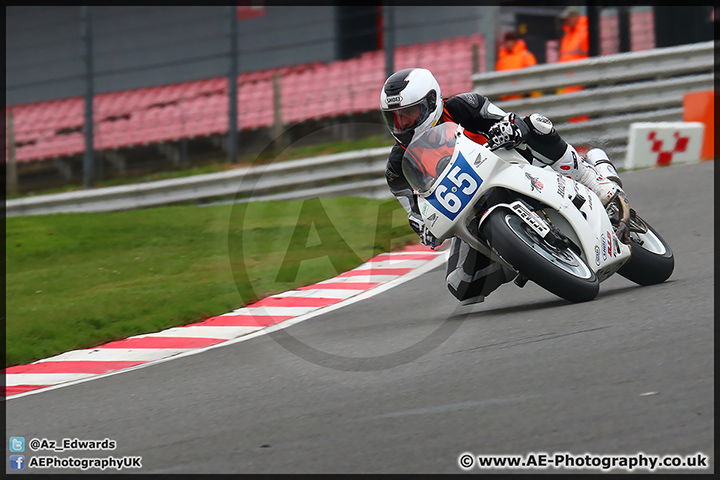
(410, 103)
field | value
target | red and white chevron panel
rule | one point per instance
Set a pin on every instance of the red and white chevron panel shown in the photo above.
(653, 144)
(283, 307)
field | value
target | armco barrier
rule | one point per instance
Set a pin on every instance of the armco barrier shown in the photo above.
(296, 179)
(621, 89)
(608, 70)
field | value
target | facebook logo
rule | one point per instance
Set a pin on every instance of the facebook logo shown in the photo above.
(17, 444)
(17, 462)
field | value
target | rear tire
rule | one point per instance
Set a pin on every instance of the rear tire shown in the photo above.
(561, 271)
(652, 259)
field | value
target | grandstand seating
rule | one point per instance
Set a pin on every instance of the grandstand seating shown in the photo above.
(191, 109)
(609, 34)
(642, 30)
(200, 108)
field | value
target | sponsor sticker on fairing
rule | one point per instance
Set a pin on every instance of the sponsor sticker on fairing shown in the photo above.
(561, 185)
(535, 183)
(530, 218)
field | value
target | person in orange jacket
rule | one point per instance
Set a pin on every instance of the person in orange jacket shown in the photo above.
(574, 45)
(512, 55)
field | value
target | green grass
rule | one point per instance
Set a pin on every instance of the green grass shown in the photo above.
(220, 164)
(80, 280)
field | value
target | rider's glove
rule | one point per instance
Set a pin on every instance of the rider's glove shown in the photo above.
(505, 133)
(426, 237)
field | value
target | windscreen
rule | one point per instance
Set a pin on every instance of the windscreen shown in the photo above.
(427, 156)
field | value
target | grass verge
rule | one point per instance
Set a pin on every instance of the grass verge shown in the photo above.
(79, 280)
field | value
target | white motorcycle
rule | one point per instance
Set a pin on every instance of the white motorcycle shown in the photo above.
(540, 224)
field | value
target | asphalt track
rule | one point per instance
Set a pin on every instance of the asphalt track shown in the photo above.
(406, 382)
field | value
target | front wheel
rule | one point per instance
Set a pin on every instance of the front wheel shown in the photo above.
(559, 270)
(652, 260)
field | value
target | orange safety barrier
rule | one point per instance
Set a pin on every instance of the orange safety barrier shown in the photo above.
(700, 107)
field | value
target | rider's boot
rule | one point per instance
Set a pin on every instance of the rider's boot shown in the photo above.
(599, 159)
(596, 173)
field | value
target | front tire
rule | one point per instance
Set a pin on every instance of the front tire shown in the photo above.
(652, 259)
(561, 271)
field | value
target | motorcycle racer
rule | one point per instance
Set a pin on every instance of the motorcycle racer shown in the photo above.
(411, 103)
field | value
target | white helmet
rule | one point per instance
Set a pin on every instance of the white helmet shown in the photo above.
(410, 103)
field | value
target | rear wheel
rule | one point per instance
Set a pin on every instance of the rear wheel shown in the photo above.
(559, 270)
(652, 259)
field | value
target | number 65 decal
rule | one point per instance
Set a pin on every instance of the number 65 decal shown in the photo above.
(459, 179)
(450, 200)
(456, 189)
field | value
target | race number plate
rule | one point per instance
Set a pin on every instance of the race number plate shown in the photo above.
(456, 189)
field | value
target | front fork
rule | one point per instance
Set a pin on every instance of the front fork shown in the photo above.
(636, 224)
(615, 211)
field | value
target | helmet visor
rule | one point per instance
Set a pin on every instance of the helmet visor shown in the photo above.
(406, 119)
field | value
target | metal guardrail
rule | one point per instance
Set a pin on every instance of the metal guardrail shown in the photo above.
(347, 173)
(620, 89)
(606, 70)
(604, 101)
